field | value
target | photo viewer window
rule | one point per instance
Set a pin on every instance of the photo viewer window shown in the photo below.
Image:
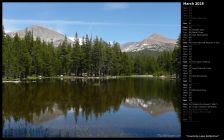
(111, 69)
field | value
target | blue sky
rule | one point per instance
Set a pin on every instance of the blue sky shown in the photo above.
(121, 22)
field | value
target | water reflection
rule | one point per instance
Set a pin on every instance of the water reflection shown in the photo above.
(38, 103)
(154, 107)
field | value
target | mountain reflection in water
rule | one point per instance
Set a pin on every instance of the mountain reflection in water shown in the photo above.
(115, 107)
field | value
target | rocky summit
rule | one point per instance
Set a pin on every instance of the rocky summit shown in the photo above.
(44, 33)
(154, 42)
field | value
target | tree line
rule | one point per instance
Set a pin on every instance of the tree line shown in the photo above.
(23, 57)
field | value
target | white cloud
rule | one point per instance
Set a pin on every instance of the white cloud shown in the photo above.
(31, 21)
(115, 6)
(73, 22)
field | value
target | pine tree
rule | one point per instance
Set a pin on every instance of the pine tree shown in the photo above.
(15, 58)
(7, 61)
(64, 56)
(3, 52)
(108, 60)
(86, 48)
(176, 57)
(96, 57)
(76, 56)
(127, 64)
(24, 59)
(116, 59)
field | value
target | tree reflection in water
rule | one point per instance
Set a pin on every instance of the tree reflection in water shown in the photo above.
(39, 101)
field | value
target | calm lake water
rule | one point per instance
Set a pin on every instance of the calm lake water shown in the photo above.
(129, 107)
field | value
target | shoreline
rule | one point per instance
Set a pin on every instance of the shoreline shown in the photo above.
(11, 81)
(99, 77)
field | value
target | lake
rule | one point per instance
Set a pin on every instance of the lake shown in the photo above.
(126, 107)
